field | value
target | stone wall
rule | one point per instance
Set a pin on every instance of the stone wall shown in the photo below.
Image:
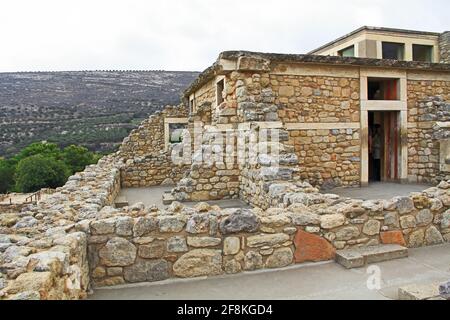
(147, 162)
(328, 157)
(138, 244)
(428, 102)
(43, 248)
(444, 47)
(151, 170)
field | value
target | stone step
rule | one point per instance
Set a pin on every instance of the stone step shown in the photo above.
(168, 198)
(359, 257)
(428, 291)
(121, 202)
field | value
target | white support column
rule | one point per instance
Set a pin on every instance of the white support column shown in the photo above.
(408, 54)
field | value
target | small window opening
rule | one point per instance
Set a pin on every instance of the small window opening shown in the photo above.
(347, 52)
(220, 86)
(191, 105)
(394, 51)
(422, 53)
(383, 89)
(175, 132)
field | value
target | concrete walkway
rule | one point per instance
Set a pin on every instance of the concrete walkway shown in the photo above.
(326, 280)
(379, 190)
(153, 195)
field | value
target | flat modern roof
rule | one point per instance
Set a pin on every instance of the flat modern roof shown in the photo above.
(381, 29)
(216, 68)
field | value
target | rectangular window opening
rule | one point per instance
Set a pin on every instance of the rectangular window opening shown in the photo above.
(192, 105)
(347, 52)
(220, 86)
(422, 53)
(383, 89)
(394, 51)
(175, 132)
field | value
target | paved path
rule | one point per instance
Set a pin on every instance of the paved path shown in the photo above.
(379, 190)
(326, 280)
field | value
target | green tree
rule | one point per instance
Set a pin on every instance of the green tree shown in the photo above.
(37, 171)
(7, 170)
(43, 148)
(77, 158)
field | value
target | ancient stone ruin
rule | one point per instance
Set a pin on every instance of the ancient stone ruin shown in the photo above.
(314, 115)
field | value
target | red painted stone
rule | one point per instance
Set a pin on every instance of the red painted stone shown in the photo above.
(311, 247)
(392, 237)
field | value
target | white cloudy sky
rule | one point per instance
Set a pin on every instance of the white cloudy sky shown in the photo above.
(39, 35)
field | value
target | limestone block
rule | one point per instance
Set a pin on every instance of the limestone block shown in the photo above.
(199, 262)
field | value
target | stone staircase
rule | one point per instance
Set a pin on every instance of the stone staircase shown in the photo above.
(360, 257)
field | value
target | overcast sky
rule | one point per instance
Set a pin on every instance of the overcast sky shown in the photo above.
(40, 35)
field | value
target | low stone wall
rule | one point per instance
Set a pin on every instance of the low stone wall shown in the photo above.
(137, 244)
(44, 247)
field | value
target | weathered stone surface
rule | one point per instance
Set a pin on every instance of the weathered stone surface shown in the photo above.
(433, 236)
(145, 225)
(202, 242)
(281, 257)
(198, 223)
(252, 261)
(32, 281)
(311, 247)
(391, 219)
(408, 222)
(177, 244)
(114, 271)
(347, 233)
(152, 250)
(416, 238)
(243, 220)
(275, 221)
(419, 292)
(199, 262)
(231, 245)
(173, 223)
(330, 221)
(305, 218)
(118, 252)
(403, 205)
(266, 240)
(124, 226)
(110, 281)
(146, 270)
(424, 217)
(106, 226)
(372, 227)
(232, 266)
(393, 237)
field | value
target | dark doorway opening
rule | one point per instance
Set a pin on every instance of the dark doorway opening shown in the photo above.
(384, 146)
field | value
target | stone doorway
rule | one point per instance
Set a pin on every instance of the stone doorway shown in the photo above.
(384, 146)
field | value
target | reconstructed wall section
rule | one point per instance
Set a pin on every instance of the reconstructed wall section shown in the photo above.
(428, 103)
(147, 160)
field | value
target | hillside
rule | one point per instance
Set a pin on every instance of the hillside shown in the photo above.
(93, 108)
